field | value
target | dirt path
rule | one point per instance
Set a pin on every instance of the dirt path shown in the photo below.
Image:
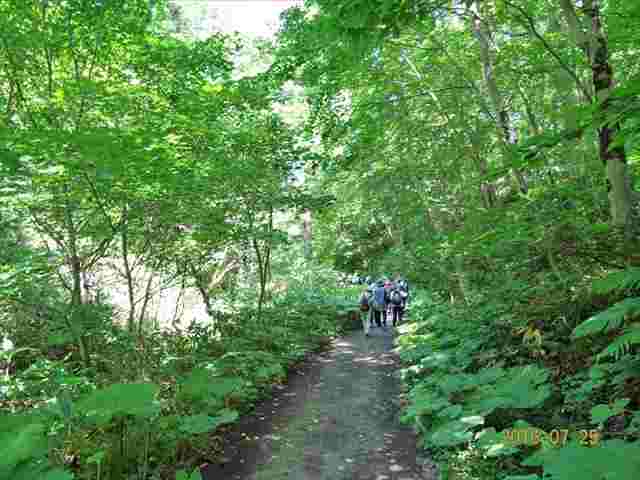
(336, 419)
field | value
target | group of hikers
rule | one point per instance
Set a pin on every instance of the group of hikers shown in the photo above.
(382, 300)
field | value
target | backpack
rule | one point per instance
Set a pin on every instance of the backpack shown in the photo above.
(364, 303)
(396, 298)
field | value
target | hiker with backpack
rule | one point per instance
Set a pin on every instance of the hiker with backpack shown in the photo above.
(402, 284)
(388, 288)
(366, 312)
(397, 302)
(380, 299)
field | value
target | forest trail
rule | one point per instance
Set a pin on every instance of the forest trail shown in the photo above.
(336, 419)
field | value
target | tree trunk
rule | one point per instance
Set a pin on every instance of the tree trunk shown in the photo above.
(461, 279)
(592, 40)
(614, 158)
(230, 264)
(75, 322)
(506, 132)
(264, 263)
(145, 303)
(487, 189)
(261, 278)
(307, 234)
(128, 273)
(174, 320)
(202, 286)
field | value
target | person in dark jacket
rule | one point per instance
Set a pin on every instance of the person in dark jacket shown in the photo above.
(397, 303)
(401, 283)
(365, 311)
(380, 304)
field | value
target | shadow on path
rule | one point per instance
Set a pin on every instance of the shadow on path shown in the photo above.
(336, 419)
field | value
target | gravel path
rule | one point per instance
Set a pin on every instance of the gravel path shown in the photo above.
(336, 419)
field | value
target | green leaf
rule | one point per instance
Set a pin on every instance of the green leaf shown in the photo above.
(453, 411)
(200, 423)
(600, 413)
(609, 319)
(621, 345)
(494, 443)
(202, 385)
(137, 399)
(268, 371)
(611, 460)
(424, 402)
(58, 474)
(23, 443)
(97, 457)
(184, 475)
(455, 432)
(520, 387)
(196, 424)
(225, 416)
(621, 280)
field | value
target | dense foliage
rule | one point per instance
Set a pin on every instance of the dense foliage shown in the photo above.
(486, 149)
(489, 150)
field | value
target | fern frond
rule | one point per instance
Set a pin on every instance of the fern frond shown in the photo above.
(621, 345)
(622, 280)
(608, 320)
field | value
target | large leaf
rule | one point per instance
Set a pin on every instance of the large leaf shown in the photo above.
(184, 475)
(611, 460)
(601, 413)
(22, 443)
(58, 474)
(520, 387)
(455, 432)
(610, 319)
(621, 280)
(200, 423)
(202, 385)
(424, 402)
(494, 443)
(138, 399)
(622, 344)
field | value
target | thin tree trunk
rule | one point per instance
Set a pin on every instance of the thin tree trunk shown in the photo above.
(201, 285)
(76, 289)
(264, 263)
(128, 273)
(461, 278)
(487, 189)
(506, 132)
(307, 234)
(261, 277)
(145, 303)
(174, 320)
(230, 264)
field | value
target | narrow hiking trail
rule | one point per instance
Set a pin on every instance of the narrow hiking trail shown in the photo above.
(336, 419)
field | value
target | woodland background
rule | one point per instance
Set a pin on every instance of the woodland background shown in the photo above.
(185, 203)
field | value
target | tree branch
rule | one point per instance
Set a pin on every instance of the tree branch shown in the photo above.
(532, 27)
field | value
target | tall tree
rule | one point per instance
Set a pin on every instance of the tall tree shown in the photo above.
(589, 35)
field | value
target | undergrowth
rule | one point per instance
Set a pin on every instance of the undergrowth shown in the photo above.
(150, 406)
(495, 393)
